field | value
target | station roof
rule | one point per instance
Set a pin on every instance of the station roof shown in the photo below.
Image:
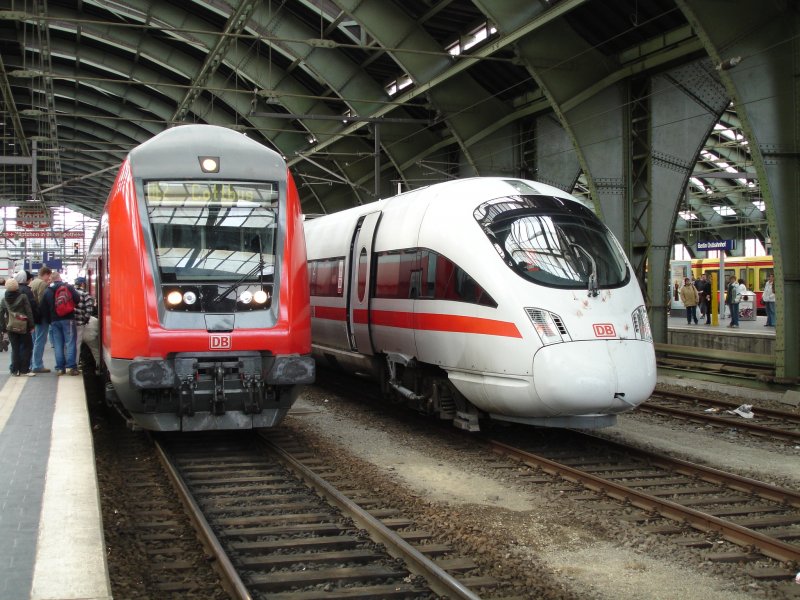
(85, 81)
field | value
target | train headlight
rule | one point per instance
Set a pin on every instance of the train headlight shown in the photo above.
(641, 324)
(209, 164)
(548, 326)
(189, 298)
(260, 297)
(174, 298)
(246, 297)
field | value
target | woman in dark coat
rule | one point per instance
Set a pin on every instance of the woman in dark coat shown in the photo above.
(21, 342)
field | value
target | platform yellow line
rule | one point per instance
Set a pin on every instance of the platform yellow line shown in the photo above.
(70, 551)
(8, 398)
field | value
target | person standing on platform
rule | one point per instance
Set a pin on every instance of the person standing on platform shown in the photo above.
(58, 309)
(769, 298)
(703, 286)
(24, 279)
(734, 297)
(689, 297)
(16, 319)
(83, 310)
(38, 287)
(728, 295)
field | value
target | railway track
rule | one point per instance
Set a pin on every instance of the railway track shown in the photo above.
(151, 548)
(698, 506)
(279, 530)
(766, 423)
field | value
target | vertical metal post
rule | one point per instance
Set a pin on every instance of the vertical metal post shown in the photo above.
(34, 190)
(377, 132)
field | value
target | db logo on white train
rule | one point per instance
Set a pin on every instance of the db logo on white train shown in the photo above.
(217, 341)
(604, 330)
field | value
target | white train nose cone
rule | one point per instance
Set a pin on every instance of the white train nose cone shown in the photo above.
(588, 377)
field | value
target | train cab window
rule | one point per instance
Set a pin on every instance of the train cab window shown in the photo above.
(213, 230)
(553, 242)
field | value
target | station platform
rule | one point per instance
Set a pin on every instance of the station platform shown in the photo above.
(51, 529)
(751, 337)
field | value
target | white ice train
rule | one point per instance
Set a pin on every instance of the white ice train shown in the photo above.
(485, 297)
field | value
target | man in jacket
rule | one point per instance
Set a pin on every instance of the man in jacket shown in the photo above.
(769, 298)
(62, 326)
(83, 310)
(704, 291)
(38, 287)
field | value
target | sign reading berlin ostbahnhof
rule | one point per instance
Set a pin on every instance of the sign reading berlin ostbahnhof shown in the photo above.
(727, 245)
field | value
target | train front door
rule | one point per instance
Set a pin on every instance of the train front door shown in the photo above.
(358, 317)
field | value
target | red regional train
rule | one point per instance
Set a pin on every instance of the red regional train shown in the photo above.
(199, 272)
(484, 297)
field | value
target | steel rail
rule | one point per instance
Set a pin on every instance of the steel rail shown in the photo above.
(230, 577)
(792, 436)
(671, 510)
(440, 581)
(769, 412)
(708, 474)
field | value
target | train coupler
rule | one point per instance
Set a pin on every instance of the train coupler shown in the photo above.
(218, 399)
(255, 390)
(186, 396)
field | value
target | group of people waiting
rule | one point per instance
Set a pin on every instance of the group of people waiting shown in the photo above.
(31, 309)
(698, 293)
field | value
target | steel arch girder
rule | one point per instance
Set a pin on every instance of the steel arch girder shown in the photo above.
(765, 89)
(394, 29)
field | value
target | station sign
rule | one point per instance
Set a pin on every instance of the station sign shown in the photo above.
(33, 218)
(726, 245)
(42, 234)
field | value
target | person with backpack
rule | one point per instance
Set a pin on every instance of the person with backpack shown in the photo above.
(39, 287)
(16, 319)
(23, 279)
(58, 309)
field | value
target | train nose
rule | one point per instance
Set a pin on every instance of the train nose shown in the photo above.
(587, 377)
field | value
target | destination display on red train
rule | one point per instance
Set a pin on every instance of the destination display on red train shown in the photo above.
(200, 193)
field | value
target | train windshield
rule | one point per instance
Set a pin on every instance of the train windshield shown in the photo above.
(553, 242)
(213, 230)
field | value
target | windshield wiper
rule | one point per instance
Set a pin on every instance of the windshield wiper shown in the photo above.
(259, 268)
(593, 287)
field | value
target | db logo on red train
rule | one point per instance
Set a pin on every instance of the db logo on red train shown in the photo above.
(218, 341)
(604, 330)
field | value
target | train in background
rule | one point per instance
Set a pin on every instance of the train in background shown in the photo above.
(199, 270)
(754, 270)
(483, 298)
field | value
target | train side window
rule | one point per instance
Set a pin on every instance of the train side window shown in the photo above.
(325, 277)
(763, 273)
(387, 275)
(425, 274)
(395, 274)
(454, 283)
(362, 274)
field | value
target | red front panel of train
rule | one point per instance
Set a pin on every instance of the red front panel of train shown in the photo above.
(131, 325)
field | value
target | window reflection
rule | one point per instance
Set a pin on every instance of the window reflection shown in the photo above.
(211, 230)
